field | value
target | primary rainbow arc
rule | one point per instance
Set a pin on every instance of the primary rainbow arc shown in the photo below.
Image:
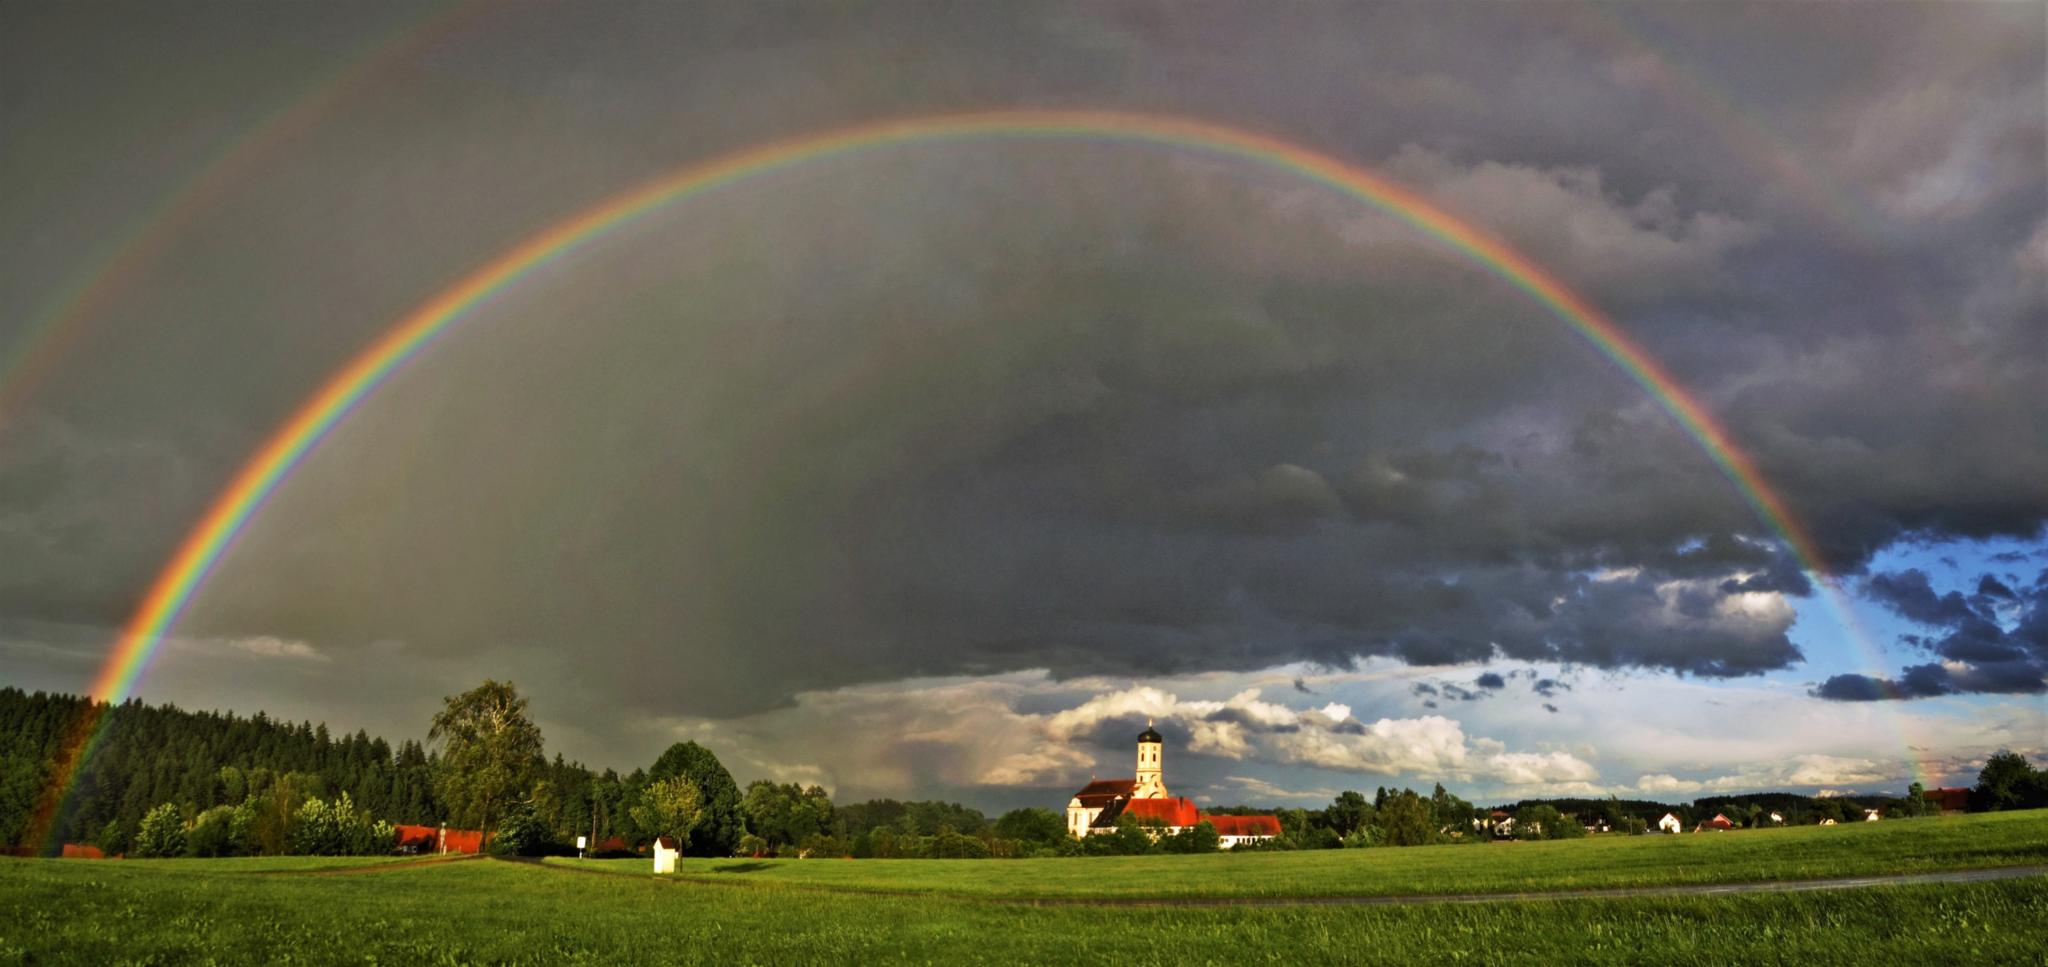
(203, 548)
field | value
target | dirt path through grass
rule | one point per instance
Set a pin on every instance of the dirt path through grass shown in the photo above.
(368, 868)
(1690, 889)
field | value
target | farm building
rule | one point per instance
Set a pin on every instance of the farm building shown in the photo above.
(1716, 824)
(1948, 800)
(1102, 802)
(1670, 824)
(438, 839)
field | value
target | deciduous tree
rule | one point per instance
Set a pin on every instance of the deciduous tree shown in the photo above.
(490, 752)
(669, 807)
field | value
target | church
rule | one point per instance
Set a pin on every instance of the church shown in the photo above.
(1099, 804)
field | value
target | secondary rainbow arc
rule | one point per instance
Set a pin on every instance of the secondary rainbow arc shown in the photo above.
(172, 591)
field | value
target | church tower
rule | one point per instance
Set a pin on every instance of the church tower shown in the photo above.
(1149, 784)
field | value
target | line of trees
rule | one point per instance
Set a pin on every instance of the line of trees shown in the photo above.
(162, 781)
(147, 756)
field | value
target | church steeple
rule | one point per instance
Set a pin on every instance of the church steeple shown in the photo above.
(1151, 782)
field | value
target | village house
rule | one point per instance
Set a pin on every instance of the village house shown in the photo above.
(1499, 823)
(1102, 802)
(1716, 824)
(1670, 824)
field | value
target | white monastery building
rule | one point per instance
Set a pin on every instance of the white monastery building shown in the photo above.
(1099, 804)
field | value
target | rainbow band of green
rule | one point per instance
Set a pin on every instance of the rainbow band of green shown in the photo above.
(216, 531)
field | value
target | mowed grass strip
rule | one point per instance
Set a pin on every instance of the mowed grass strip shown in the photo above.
(142, 913)
(1812, 852)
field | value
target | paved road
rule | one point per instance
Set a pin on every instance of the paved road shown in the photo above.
(1693, 889)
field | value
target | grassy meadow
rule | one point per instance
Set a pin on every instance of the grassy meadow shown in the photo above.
(343, 910)
(1790, 853)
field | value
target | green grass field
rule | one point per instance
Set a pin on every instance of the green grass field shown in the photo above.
(333, 911)
(1807, 852)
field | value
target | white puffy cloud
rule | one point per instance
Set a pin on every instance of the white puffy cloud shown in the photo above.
(1540, 768)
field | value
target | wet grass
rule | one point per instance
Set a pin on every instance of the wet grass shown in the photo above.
(492, 912)
(1812, 852)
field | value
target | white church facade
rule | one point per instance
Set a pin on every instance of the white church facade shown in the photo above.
(1101, 803)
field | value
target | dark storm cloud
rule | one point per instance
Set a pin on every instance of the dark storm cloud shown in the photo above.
(1549, 687)
(1990, 586)
(1098, 410)
(1979, 653)
(1490, 681)
(1912, 596)
(1552, 709)
(1249, 721)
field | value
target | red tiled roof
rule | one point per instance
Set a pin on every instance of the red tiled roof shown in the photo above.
(1244, 825)
(1097, 794)
(82, 851)
(1174, 812)
(665, 842)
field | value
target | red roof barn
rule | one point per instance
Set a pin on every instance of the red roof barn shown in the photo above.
(1947, 800)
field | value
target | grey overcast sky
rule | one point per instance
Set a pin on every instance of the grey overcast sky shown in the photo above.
(934, 470)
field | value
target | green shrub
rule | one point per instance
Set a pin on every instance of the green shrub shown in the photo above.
(213, 833)
(1199, 838)
(523, 834)
(336, 828)
(951, 845)
(112, 839)
(162, 833)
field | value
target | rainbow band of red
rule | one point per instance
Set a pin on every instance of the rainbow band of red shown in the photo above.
(174, 588)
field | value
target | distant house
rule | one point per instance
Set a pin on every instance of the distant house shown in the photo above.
(1777, 818)
(666, 852)
(1870, 816)
(1670, 824)
(1716, 824)
(1232, 830)
(1827, 822)
(1947, 800)
(82, 851)
(1499, 822)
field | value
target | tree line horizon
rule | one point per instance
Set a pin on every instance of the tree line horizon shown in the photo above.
(163, 780)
